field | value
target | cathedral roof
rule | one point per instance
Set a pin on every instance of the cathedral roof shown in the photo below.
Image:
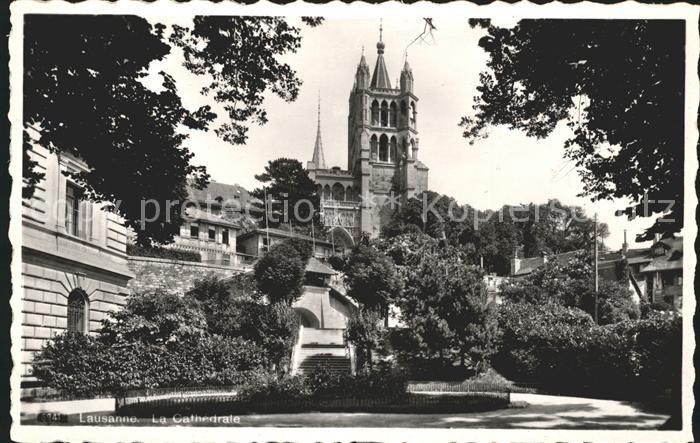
(380, 77)
(318, 159)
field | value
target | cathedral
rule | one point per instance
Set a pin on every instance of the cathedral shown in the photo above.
(383, 169)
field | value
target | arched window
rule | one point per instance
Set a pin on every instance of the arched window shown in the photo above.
(392, 149)
(375, 113)
(413, 113)
(77, 303)
(326, 192)
(338, 192)
(393, 115)
(404, 147)
(349, 195)
(385, 114)
(383, 148)
(373, 148)
(404, 109)
(413, 146)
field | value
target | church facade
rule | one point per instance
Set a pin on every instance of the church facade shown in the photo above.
(383, 168)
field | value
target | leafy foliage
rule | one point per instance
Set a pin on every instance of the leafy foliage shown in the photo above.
(160, 252)
(445, 309)
(129, 135)
(542, 72)
(562, 349)
(233, 308)
(291, 194)
(164, 340)
(365, 332)
(494, 235)
(571, 284)
(371, 278)
(279, 274)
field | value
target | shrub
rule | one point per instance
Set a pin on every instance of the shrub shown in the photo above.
(562, 349)
(157, 340)
(72, 364)
(161, 252)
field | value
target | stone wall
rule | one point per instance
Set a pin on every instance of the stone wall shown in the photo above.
(172, 275)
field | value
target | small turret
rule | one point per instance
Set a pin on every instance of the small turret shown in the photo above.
(362, 77)
(406, 78)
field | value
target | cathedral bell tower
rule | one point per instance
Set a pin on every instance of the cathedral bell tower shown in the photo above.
(383, 140)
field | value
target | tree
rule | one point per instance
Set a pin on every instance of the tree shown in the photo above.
(371, 279)
(444, 305)
(365, 331)
(279, 274)
(286, 183)
(614, 83)
(129, 135)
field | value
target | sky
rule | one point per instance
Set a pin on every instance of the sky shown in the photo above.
(505, 168)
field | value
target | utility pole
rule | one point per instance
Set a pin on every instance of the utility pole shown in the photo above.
(595, 266)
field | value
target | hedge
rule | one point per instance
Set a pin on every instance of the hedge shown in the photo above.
(161, 252)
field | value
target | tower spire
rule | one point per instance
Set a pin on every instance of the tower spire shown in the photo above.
(318, 158)
(380, 77)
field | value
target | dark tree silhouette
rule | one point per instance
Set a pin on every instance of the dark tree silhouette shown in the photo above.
(619, 84)
(84, 95)
(287, 183)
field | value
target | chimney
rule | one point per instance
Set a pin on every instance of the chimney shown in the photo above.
(625, 246)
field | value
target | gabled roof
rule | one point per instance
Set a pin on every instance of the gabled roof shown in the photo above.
(315, 266)
(200, 215)
(216, 192)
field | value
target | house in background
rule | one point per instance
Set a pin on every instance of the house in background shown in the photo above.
(257, 242)
(663, 272)
(655, 273)
(74, 263)
(215, 216)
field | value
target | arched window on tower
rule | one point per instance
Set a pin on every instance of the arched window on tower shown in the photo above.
(404, 148)
(383, 148)
(373, 148)
(393, 115)
(326, 192)
(414, 114)
(338, 192)
(392, 150)
(375, 113)
(413, 146)
(385, 114)
(349, 196)
(77, 311)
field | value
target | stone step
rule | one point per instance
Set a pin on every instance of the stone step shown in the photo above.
(334, 363)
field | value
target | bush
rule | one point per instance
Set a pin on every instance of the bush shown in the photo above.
(157, 340)
(161, 252)
(72, 364)
(561, 349)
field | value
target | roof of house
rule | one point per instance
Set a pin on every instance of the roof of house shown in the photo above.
(208, 217)
(671, 260)
(314, 265)
(528, 265)
(216, 193)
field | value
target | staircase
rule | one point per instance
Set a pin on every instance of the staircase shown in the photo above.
(324, 347)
